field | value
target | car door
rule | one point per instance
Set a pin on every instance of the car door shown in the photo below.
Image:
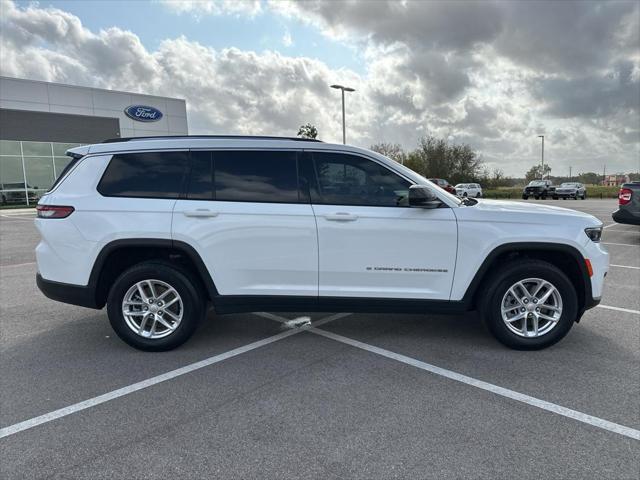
(371, 243)
(250, 223)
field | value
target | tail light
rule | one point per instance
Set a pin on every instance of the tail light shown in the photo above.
(53, 211)
(624, 196)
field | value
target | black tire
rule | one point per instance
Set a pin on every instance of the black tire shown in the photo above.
(555, 197)
(478, 195)
(536, 197)
(500, 282)
(584, 196)
(525, 197)
(192, 300)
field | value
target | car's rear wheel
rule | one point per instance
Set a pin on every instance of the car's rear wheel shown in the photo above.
(529, 305)
(154, 306)
(525, 197)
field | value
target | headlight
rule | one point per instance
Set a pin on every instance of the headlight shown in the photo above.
(594, 234)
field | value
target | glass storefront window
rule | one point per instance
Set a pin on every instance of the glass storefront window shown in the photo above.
(60, 149)
(36, 149)
(41, 161)
(9, 147)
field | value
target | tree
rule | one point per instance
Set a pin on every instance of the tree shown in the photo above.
(308, 131)
(392, 150)
(535, 172)
(436, 158)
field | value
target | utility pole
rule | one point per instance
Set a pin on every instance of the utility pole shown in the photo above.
(604, 174)
(542, 137)
(569, 173)
(343, 89)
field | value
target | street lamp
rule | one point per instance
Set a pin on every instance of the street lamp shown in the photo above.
(542, 137)
(344, 89)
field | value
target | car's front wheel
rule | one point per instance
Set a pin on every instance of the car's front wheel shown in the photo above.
(154, 306)
(529, 305)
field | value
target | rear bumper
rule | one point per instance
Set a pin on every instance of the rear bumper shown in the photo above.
(68, 293)
(625, 216)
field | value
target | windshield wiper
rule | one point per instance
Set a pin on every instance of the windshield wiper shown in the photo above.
(469, 202)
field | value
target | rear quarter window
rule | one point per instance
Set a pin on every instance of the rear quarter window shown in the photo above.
(145, 175)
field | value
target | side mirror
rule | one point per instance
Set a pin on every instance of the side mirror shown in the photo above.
(422, 196)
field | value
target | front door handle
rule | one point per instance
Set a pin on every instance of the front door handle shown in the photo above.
(200, 213)
(341, 217)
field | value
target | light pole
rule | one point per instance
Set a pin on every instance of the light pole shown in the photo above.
(542, 137)
(344, 89)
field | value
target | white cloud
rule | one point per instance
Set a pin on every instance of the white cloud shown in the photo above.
(472, 86)
(198, 8)
(287, 41)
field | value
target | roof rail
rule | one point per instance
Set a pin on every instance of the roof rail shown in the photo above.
(231, 137)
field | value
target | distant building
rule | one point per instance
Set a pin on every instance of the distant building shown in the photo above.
(615, 180)
(39, 121)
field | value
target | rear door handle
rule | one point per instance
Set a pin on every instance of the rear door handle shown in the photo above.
(200, 213)
(341, 217)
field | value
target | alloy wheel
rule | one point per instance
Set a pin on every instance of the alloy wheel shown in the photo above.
(531, 308)
(152, 309)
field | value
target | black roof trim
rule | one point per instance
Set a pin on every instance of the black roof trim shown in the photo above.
(230, 137)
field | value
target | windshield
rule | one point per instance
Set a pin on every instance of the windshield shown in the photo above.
(567, 184)
(536, 183)
(461, 185)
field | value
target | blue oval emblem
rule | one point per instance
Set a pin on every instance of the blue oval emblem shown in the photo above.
(143, 113)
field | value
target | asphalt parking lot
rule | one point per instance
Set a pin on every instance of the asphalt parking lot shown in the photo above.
(358, 396)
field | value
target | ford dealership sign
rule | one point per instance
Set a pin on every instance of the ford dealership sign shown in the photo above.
(142, 113)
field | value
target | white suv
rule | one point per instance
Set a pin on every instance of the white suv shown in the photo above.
(158, 228)
(473, 190)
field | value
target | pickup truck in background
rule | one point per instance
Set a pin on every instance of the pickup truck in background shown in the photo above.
(628, 204)
(538, 189)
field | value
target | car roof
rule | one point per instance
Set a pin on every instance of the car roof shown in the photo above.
(207, 141)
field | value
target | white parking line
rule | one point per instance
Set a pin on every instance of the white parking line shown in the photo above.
(504, 392)
(624, 266)
(621, 244)
(92, 402)
(620, 309)
(17, 264)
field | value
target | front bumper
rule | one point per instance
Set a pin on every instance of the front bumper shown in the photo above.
(565, 194)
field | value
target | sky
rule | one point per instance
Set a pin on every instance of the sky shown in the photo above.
(493, 74)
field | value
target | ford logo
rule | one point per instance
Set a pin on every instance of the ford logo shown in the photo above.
(142, 113)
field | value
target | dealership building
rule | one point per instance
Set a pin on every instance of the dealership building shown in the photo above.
(39, 121)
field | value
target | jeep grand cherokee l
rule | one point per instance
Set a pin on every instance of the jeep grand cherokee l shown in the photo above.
(157, 229)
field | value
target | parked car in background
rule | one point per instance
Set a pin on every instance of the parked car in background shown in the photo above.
(538, 189)
(473, 190)
(14, 194)
(573, 190)
(442, 183)
(628, 204)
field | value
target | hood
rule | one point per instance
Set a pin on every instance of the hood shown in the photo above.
(523, 212)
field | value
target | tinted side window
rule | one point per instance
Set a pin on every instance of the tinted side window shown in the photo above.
(256, 176)
(201, 178)
(352, 180)
(145, 174)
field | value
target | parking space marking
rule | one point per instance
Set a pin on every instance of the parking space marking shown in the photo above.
(610, 225)
(17, 264)
(620, 309)
(624, 266)
(92, 402)
(504, 392)
(621, 244)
